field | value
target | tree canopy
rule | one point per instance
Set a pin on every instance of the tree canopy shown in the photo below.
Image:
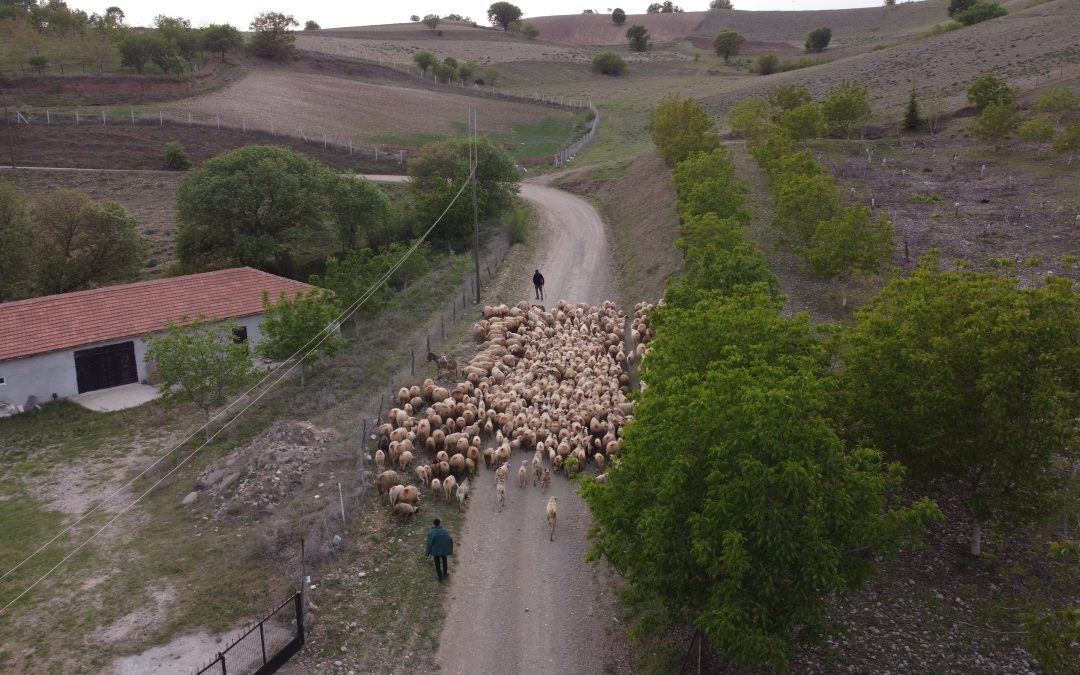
(987, 89)
(638, 36)
(608, 62)
(727, 43)
(966, 378)
(440, 170)
(256, 206)
(681, 127)
(846, 106)
(273, 36)
(303, 324)
(618, 16)
(503, 14)
(818, 39)
(222, 39)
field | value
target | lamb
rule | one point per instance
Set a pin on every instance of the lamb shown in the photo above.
(405, 511)
(552, 515)
(500, 494)
(523, 473)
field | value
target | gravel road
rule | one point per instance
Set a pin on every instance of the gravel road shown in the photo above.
(520, 603)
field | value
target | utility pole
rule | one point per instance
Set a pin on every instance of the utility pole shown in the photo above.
(475, 160)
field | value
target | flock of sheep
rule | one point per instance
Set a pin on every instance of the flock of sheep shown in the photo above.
(550, 383)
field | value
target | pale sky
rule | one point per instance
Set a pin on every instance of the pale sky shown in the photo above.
(341, 13)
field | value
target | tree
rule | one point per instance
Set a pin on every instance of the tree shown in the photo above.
(311, 24)
(79, 243)
(359, 277)
(135, 49)
(968, 380)
(980, 11)
(222, 38)
(788, 97)
(254, 206)
(185, 40)
(720, 4)
(439, 172)
(273, 36)
(846, 106)
(447, 70)
(530, 30)
(639, 38)
(803, 201)
(745, 534)
(749, 117)
(1068, 142)
(503, 14)
(958, 6)
(17, 252)
(415, 18)
(431, 21)
(854, 242)
(1038, 130)
(654, 8)
(705, 183)
(988, 89)
(466, 70)
(38, 63)
(666, 7)
(303, 327)
(361, 210)
(609, 63)
(618, 17)
(424, 60)
(1058, 100)
(727, 43)
(176, 158)
(997, 123)
(818, 39)
(804, 122)
(767, 64)
(199, 362)
(681, 127)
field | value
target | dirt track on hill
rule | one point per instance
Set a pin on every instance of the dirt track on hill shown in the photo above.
(520, 603)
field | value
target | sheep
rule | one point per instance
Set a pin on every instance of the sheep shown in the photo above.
(462, 494)
(601, 479)
(600, 460)
(436, 487)
(537, 469)
(405, 511)
(404, 460)
(457, 464)
(410, 495)
(500, 495)
(488, 456)
(500, 474)
(523, 473)
(394, 494)
(449, 486)
(423, 472)
(545, 481)
(552, 516)
(386, 480)
(380, 459)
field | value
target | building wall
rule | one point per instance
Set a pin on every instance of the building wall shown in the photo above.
(54, 373)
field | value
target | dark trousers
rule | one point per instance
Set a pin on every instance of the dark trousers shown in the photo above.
(539, 292)
(440, 567)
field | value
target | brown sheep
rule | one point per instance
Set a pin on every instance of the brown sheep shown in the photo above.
(500, 495)
(386, 480)
(380, 459)
(404, 460)
(552, 515)
(523, 474)
(545, 482)
(405, 511)
(457, 464)
(436, 487)
(449, 487)
(410, 495)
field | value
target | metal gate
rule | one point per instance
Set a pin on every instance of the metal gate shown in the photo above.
(266, 646)
(104, 367)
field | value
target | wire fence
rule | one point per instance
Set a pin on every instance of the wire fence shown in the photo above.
(264, 647)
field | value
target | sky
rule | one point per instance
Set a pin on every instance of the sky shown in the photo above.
(341, 13)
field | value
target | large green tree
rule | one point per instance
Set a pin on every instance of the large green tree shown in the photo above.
(503, 14)
(199, 362)
(302, 327)
(681, 127)
(743, 517)
(638, 36)
(705, 182)
(273, 36)
(846, 106)
(987, 89)
(361, 210)
(439, 172)
(618, 16)
(255, 206)
(995, 124)
(853, 242)
(222, 38)
(818, 39)
(364, 276)
(968, 380)
(727, 43)
(79, 243)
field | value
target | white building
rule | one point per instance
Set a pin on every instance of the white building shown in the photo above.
(62, 345)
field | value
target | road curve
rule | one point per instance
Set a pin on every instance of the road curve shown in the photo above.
(520, 603)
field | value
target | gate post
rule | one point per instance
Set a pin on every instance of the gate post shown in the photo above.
(300, 616)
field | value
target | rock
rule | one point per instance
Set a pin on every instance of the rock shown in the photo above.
(209, 479)
(227, 481)
(190, 498)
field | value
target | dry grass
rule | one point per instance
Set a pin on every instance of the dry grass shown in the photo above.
(598, 29)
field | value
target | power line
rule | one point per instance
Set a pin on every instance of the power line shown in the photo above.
(325, 333)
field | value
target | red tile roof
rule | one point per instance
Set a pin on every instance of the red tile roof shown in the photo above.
(55, 322)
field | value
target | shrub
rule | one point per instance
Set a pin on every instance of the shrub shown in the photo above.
(618, 16)
(609, 63)
(979, 12)
(639, 38)
(767, 64)
(957, 6)
(516, 222)
(989, 89)
(818, 39)
(176, 158)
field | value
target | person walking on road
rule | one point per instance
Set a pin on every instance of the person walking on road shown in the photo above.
(538, 284)
(439, 545)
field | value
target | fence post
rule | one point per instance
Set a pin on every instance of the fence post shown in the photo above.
(262, 641)
(103, 117)
(300, 617)
(48, 117)
(132, 118)
(222, 658)
(428, 343)
(76, 118)
(161, 119)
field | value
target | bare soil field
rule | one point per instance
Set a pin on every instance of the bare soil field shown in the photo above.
(110, 89)
(599, 29)
(463, 48)
(286, 101)
(1022, 47)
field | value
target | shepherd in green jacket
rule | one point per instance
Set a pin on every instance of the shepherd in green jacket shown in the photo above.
(439, 544)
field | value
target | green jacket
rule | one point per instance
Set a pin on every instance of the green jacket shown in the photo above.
(439, 542)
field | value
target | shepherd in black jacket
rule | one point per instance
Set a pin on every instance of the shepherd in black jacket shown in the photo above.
(538, 284)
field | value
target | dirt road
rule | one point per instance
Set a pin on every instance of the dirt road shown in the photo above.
(520, 603)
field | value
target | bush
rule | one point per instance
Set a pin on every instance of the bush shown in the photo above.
(957, 6)
(979, 12)
(176, 158)
(818, 39)
(609, 63)
(767, 64)
(516, 222)
(989, 89)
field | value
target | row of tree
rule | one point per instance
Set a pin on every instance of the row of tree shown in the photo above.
(734, 506)
(999, 120)
(63, 241)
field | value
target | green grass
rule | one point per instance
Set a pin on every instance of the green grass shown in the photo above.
(523, 141)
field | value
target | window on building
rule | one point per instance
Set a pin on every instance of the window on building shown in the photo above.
(240, 335)
(3, 381)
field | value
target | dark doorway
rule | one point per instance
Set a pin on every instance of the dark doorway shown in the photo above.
(104, 367)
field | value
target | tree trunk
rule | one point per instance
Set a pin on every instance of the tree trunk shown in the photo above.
(976, 538)
(206, 429)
